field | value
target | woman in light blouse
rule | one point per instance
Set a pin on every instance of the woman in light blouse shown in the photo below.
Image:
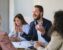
(21, 28)
(56, 42)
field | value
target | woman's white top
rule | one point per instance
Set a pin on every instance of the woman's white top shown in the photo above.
(25, 29)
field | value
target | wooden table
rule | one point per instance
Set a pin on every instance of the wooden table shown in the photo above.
(20, 49)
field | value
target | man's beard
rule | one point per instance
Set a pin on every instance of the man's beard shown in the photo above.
(38, 18)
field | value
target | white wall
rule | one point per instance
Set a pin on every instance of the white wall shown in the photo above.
(11, 14)
(50, 6)
(4, 13)
(24, 7)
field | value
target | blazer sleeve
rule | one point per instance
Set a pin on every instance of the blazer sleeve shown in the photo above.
(54, 44)
(47, 26)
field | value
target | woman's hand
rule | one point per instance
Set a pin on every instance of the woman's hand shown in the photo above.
(18, 28)
(37, 44)
(14, 38)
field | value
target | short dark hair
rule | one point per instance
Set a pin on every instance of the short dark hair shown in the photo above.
(40, 7)
(58, 22)
(20, 16)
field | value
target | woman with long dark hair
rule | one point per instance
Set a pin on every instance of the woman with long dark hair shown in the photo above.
(20, 27)
(56, 31)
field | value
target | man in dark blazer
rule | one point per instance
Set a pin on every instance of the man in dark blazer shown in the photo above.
(38, 18)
